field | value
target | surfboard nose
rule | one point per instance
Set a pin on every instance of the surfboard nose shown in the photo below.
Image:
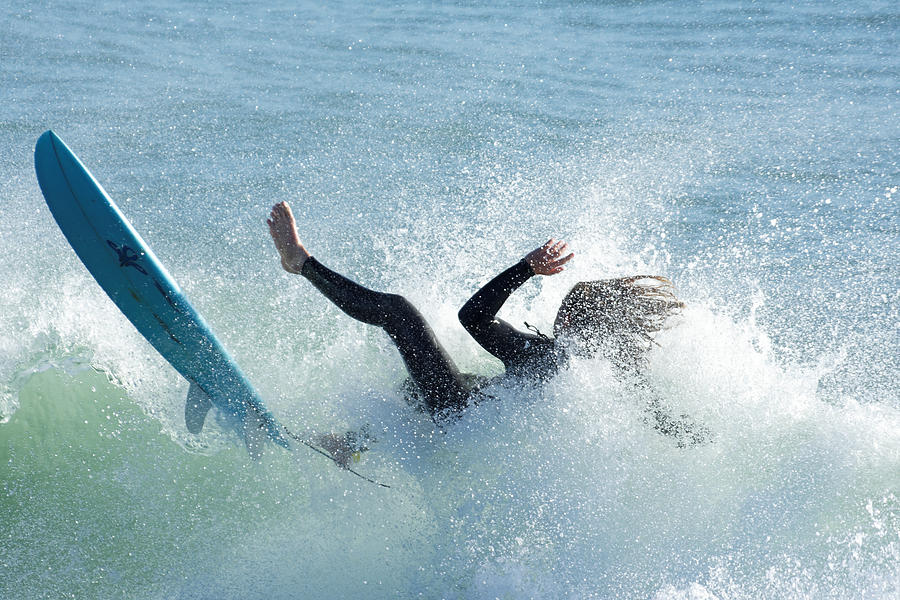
(48, 138)
(48, 152)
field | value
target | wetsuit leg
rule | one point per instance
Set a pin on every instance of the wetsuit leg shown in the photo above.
(428, 363)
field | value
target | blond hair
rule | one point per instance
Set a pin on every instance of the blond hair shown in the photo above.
(617, 316)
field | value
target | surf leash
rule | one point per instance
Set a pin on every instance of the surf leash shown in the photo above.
(315, 448)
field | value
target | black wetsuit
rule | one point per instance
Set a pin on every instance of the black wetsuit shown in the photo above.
(443, 388)
(524, 354)
(440, 382)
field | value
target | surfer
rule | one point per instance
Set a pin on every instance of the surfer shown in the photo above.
(615, 317)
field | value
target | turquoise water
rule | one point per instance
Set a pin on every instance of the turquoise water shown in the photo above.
(749, 151)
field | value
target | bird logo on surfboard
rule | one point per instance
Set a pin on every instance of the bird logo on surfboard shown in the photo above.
(127, 256)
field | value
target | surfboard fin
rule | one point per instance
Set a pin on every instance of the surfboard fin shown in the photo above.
(196, 408)
(254, 432)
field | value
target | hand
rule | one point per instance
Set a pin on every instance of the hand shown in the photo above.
(337, 447)
(546, 259)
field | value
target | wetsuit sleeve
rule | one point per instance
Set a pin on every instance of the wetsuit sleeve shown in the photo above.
(479, 316)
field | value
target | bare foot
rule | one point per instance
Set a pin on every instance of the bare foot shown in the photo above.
(283, 229)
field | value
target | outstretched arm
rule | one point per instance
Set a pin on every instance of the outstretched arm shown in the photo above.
(683, 429)
(479, 314)
(548, 259)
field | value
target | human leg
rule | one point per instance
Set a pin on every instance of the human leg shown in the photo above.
(429, 365)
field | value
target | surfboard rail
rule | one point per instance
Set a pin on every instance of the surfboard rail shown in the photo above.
(126, 268)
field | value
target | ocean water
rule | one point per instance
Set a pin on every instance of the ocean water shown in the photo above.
(747, 150)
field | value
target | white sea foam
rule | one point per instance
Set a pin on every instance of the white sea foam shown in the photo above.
(742, 151)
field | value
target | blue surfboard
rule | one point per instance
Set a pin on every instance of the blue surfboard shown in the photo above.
(128, 271)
